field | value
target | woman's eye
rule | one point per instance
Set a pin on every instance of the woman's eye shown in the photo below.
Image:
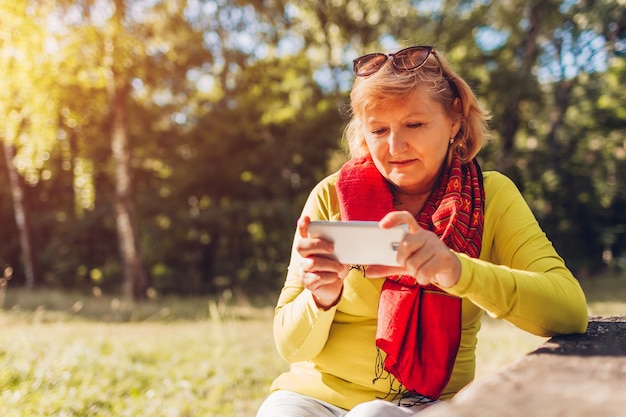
(415, 125)
(379, 132)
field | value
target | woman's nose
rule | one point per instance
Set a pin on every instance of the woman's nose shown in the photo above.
(397, 144)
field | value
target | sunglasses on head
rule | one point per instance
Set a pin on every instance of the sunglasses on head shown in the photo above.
(407, 59)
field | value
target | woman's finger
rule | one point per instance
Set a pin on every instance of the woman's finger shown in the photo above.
(397, 218)
(303, 226)
(416, 247)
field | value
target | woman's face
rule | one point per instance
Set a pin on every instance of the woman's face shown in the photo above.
(408, 141)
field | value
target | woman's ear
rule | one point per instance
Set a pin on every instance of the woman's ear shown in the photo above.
(458, 115)
(456, 105)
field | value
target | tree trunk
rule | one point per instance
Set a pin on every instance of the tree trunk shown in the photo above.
(135, 280)
(22, 217)
(528, 52)
(557, 115)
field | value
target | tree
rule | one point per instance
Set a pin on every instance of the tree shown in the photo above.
(28, 133)
(119, 49)
(212, 120)
(147, 53)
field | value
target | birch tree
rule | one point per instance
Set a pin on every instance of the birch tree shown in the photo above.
(29, 106)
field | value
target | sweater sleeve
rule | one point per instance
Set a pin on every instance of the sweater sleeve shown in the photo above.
(519, 276)
(301, 328)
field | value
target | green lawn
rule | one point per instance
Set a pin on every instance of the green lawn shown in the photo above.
(71, 355)
(180, 357)
(201, 368)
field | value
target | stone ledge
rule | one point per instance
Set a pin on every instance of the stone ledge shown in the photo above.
(574, 376)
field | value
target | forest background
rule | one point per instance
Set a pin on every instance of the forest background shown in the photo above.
(167, 147)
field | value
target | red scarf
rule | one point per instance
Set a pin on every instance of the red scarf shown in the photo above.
(419, 327)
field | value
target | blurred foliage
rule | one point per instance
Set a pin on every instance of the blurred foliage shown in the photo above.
(235, 113)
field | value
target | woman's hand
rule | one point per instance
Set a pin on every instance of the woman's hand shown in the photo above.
(319, 272)
(421, 253)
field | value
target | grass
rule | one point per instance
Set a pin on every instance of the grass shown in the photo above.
(177, 357)
(606, 294)
(135, 369)
(75, 355)
(500, 344)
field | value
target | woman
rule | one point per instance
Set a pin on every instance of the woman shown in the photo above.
(378, 340)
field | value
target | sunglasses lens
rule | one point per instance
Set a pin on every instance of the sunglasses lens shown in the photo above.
(405, 60)
(368, 64)
(411, 58)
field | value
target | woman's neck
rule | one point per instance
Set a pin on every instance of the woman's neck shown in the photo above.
(411, 202)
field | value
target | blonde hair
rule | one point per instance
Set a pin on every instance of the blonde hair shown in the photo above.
(444, 86)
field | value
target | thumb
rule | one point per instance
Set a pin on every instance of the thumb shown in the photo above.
(303, 226)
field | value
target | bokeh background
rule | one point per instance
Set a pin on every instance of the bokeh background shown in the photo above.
(167, 147)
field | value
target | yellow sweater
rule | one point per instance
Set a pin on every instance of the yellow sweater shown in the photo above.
(519, 278)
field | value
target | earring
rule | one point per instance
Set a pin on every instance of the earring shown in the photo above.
(451, 141)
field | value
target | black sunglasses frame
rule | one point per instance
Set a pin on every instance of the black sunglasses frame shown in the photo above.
(396, 59)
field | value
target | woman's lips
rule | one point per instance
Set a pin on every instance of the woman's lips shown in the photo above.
(403, 162)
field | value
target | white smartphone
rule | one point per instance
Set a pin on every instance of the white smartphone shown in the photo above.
(360, 242)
